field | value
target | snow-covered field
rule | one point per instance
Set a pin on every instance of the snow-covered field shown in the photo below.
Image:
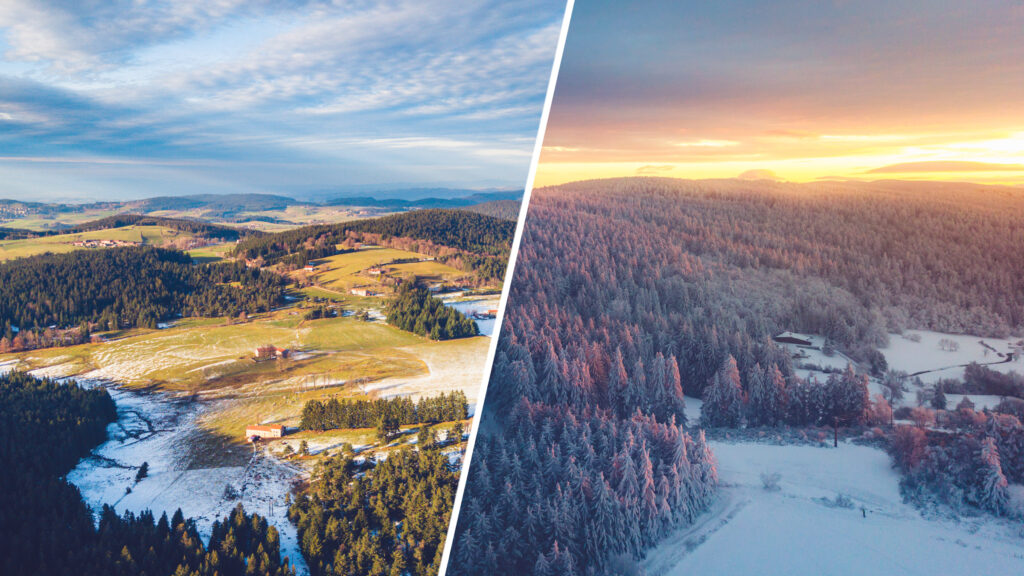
(799, 530)
(155, 429)
(981, 401)
(905, 354)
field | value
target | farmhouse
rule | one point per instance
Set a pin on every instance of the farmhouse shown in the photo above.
(793, 338)
(309, 268)
(362, 292)
(270, 352)
(257, 431)
(377, 271)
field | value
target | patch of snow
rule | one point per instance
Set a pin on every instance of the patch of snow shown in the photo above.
(904, 353)
(798, 529)
(156, 429)
(6, 367)
(981, 401)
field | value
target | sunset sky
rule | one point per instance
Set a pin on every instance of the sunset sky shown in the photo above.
(790, 90)
(122, 99)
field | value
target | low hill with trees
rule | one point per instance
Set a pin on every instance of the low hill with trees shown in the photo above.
(473, 242)
(126, 287)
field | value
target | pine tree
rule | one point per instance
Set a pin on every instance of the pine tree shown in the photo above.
(723, 398)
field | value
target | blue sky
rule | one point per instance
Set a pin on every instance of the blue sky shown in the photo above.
(115, 99)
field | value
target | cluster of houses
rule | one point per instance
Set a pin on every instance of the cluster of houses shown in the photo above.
(104, 243)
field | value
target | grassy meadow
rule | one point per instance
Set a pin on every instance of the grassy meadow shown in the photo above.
(61, 243)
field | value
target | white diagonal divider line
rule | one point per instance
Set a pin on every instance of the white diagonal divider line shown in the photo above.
(509, 273)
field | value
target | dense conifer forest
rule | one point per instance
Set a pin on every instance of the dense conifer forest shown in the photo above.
(125, 287)
(415, 310)
(46, 528)
(334, 413)
(629, 292)
(390, 520)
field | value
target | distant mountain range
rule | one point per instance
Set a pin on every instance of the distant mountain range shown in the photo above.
(228, 206)
(426, 202)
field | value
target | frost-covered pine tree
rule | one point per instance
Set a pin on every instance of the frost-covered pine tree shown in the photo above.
(993, 493)
(723, 398)
(766, 405)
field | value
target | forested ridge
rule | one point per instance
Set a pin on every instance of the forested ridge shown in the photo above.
(475, 241)
(390, 520)
(46, 528)
(203, 229)
(126, 287)
(940, 256)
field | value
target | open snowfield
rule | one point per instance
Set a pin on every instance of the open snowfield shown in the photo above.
(156, 429)
(904, 354)
(798, 530)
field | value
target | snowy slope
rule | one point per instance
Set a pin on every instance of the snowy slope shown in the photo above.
(799, 531)
(155, 429)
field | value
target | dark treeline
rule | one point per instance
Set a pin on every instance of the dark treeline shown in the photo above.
(461, 232)
(46, 528)
(390, 520)
(763, 398)
(126, 287)
(415, 310)
(334, 413)
(17, 233)
(203, 229)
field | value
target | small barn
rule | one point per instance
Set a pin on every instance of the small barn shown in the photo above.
(793, 338)
(270, 352)
(259, 431)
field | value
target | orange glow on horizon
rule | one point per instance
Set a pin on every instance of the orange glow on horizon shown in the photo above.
(799, 157)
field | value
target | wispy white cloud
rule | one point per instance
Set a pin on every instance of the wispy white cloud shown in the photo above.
(300, 81)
